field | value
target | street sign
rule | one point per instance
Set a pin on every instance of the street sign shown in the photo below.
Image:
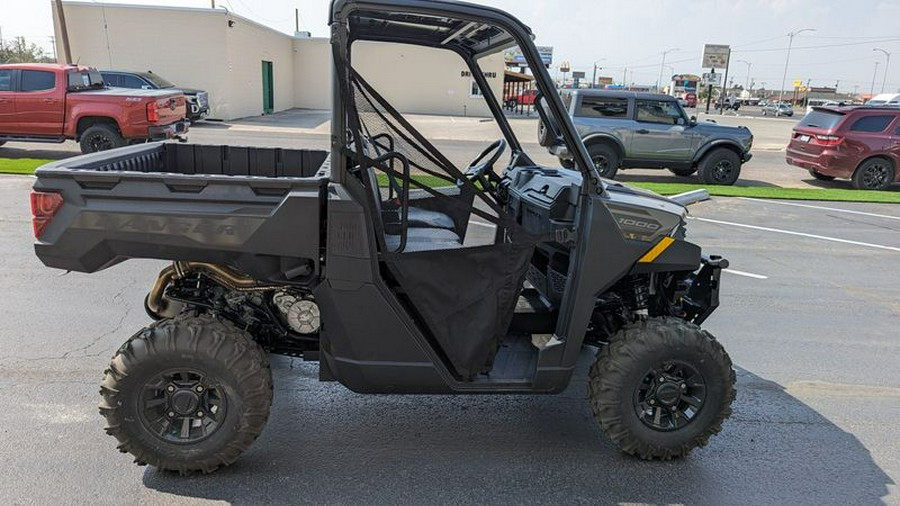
(715, 56)
(711, 79)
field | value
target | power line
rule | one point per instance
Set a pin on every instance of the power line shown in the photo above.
(823, 46)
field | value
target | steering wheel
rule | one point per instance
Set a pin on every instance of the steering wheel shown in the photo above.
(484, 164)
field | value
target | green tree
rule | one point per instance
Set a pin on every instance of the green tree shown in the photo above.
(20, 51)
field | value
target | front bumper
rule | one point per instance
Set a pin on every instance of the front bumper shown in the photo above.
(702, 297)
(177, 130)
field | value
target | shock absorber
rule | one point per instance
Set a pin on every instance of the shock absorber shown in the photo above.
(641, 297)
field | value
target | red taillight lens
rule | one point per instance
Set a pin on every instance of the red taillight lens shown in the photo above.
(44, 206)
(829, 140)
(152, 112)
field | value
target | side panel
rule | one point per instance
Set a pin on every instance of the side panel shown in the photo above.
(269, 231)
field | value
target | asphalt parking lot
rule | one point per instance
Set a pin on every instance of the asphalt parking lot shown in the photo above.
(809, 315)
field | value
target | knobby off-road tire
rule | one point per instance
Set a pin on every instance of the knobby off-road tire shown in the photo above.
(196, 368)
(641, 364)
(683, 172)
(101, 137)
(720, 166)
(605, 158)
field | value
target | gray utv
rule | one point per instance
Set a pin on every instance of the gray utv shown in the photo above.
(395, 270)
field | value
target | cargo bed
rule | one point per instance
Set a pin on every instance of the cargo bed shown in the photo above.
(223, 204)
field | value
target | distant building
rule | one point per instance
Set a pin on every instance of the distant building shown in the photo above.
(228, 56)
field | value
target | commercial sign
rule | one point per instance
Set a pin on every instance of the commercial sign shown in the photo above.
(578, 75)
(514, 56)
(711, 79)
(715, 56)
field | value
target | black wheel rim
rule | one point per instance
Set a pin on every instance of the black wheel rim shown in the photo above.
(602, 164)
(875, 176)
(99, 142)
(182, 406)
(670, 396)
(722, 170)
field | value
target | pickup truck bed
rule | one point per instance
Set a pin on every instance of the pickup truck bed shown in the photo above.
(221, 204)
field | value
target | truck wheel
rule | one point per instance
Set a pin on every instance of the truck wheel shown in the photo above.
(100, 138)
(661, 388)
(606, 159)
(545, 138)
(820, 176)
(683, 172)
(873, 174)
(720, 166)
(187, 394)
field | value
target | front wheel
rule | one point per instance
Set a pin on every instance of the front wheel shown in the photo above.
(661, 388)
(606, 159)
(683, 172)
(721, 166)
(820, 176)
(187, 394)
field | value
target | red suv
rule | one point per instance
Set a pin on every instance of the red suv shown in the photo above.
(858, 143)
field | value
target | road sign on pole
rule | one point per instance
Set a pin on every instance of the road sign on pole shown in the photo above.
(715, 56)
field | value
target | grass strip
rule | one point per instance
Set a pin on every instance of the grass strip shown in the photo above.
(20, 165)
(774, 192)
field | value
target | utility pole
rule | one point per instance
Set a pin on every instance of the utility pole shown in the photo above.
(725, 83)
(872, 92)
(625, 78)
(788, 59)
(747, 82)
(887, 64)
(296, 20)
(594, 79)
(661, 65)
(63, 31)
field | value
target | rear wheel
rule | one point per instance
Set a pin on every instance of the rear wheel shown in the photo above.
(720, 166)
(100, 138)
(661, 388)
(545, 137)
(873, 174)
(819, 176)
(683, 172)
(187, 394)
(605, 158)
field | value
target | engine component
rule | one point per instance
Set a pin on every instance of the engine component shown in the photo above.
(301, 314)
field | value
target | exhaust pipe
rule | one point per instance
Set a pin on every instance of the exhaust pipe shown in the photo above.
(158, 305)
(691, 197)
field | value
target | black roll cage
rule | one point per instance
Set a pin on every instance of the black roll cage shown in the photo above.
(476, 38)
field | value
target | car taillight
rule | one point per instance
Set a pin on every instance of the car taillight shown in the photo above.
(829, 140)
(152, 112)
(44, 206)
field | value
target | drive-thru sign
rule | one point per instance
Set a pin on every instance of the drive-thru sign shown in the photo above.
(715, 56)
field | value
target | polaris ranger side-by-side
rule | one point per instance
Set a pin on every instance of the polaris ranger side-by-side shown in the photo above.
(363, 259)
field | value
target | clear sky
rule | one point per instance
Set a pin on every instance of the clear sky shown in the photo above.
(633, 34)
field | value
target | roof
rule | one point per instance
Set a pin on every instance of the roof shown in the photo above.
(844, 109)
(45, 66)
(460, 26)
(623, 94)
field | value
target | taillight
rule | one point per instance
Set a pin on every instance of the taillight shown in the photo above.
(44, 206)
(152, 112)
(829, 140)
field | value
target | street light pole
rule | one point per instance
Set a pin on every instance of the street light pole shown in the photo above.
(788, 59)
(747, 82)
(661, 65)
(872, 92)
(594, 79)
(887, 63)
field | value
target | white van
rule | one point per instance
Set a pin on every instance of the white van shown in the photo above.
(818, 102)
(889, 99)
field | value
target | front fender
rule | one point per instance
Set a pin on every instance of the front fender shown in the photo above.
(720, 143)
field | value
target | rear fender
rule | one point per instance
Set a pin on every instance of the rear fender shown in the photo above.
(603, 138)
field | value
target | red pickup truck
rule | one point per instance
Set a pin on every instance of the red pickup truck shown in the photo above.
(53, 103)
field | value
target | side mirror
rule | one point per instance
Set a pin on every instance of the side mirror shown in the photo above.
(693, 121)
(146, 87)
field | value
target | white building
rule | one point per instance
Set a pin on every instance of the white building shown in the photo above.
(228, 55)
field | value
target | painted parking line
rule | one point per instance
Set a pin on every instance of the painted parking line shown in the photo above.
(835, 209)
(799, 234)
(745, 274)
